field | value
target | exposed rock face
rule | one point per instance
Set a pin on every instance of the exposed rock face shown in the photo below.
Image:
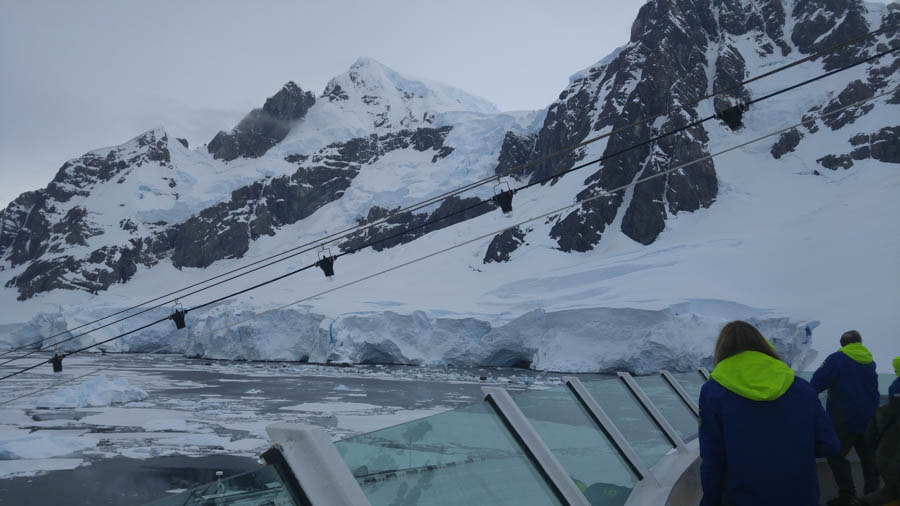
(679, 51)
(627, 89)
(39, 228)
(454, 209)
(881, 145)
(853, 93)
(24, 228)
(263, 128)
(77, 177)
(787, 143)
(815, 28)
(226, 230)
(852, 24)
(503, 244)
(836, 162)
(516, 150)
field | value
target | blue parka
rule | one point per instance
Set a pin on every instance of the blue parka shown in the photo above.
(851, 380)
(761, 430)
(894, 389)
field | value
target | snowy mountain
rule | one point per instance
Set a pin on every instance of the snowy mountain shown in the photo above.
(782, 231)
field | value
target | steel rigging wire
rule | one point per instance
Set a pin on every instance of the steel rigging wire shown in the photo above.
(804, 123)
(569, 206)
(348, 231)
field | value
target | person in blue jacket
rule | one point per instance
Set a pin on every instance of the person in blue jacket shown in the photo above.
(894, 389)
(761, 428)
(883, 436)
(850, 378)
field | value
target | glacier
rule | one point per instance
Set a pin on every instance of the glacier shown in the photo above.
(678, 338)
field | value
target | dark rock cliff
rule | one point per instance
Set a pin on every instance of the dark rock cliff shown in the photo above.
(679, 51)
(263, 128)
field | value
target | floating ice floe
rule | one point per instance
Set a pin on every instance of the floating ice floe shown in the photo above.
(92, 392)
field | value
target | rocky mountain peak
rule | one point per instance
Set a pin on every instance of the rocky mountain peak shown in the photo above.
(290, 103)
(263, 128)
(76, 176)
(393, 100)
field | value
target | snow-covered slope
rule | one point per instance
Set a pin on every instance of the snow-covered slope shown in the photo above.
(792, 232)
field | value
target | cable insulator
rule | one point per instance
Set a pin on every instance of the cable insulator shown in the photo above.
(327, 266)
(178, 318)
(56, 361)
(504, 200)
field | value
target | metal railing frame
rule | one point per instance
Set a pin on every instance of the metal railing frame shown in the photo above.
(610, 430)
(524, 432)
(651, 409)
(680, 391)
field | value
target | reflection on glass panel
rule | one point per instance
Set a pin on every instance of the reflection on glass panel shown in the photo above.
(578, 444)
(632, 421)
(256, 488)
(691, 382)
(670, 405)
(465, 456)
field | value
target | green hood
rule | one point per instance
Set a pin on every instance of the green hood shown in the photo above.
(858, 353)
(754, 375)
(897, 365)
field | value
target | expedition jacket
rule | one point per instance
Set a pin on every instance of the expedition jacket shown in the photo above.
(894, 389)
(761, 430)
(852, 383)
(883, 434)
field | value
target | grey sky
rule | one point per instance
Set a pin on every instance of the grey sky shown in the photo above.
(87, 74)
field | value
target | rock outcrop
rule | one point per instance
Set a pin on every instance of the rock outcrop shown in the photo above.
(265, 127)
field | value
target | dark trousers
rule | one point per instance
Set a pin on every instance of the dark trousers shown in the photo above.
(840, 466)
(889, 492)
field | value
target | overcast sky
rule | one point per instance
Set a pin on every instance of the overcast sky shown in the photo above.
(79, 75)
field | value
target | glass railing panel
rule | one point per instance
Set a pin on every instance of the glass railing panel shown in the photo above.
(261, 487)
(670, 405)
(465, 456)
(636, 427)
(692, 382)
(579, 444)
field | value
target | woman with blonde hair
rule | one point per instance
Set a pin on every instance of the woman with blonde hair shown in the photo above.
(761, 428)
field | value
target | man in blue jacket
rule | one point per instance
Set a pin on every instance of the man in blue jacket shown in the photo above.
(894, 389)
(851, 381)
